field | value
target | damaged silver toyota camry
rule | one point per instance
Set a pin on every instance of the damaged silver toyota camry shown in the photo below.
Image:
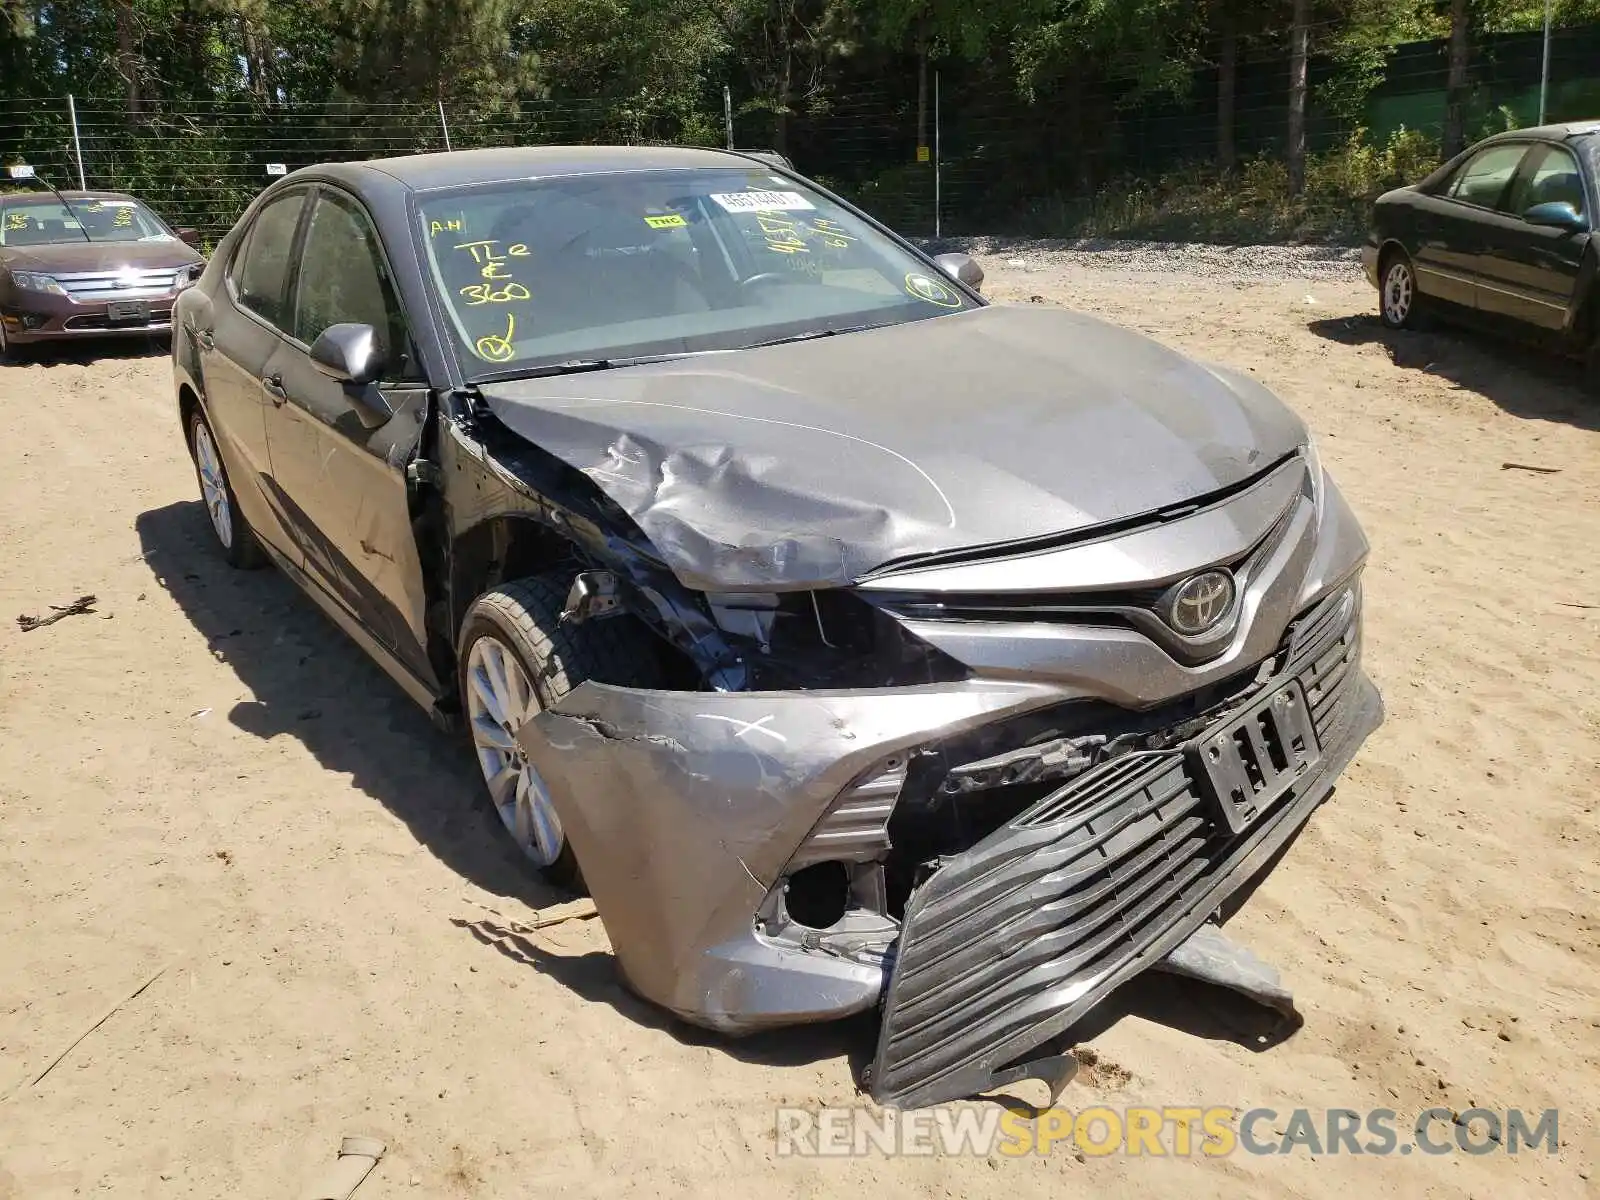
(858, 644)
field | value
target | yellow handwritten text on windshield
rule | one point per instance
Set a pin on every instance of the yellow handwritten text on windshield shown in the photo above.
(501, 286)
(782, 234)
(452, 225)
(496, 348)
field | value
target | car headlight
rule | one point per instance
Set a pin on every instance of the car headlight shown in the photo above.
(35, 281)
(1319, 481)
(189, 276)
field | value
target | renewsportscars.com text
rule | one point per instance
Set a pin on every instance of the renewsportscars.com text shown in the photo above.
(1167, 1131)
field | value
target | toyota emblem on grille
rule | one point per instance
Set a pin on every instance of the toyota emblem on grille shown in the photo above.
(1200, 603)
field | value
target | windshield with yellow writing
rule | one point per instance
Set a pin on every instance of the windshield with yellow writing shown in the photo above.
(625, 264)
(42, 222)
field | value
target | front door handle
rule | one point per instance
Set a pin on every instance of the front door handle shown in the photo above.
(207, 342)
(273, 386)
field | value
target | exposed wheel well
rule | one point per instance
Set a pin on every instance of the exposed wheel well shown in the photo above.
(188, 405)
(513, 547)
(501, 549)
(1386, 255)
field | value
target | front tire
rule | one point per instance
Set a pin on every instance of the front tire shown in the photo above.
(233, 532)
(516, 658)
(10, 351)
(1398, 298)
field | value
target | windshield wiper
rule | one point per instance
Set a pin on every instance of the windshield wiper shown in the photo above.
(812, 334)
(577, 366)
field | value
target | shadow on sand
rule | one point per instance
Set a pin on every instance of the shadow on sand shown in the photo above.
(1526, 382)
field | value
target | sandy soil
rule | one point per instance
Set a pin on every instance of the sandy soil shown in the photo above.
(205, 776)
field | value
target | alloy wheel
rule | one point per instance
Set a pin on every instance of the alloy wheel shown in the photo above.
(1398, 290)
(213, 484)
(500, 698)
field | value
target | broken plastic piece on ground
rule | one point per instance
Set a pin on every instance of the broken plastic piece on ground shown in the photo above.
(357, 1157)
(1055, 1072)
(1210, 956)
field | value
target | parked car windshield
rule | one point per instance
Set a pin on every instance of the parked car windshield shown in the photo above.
(48, 222)
(539, 272)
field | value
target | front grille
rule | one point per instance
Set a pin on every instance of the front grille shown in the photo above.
(1324, 654)
(856, 828)
(1010, 942)
(1004, 939)
(93, 287)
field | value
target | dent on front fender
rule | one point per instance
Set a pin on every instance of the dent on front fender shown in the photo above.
(684, 807)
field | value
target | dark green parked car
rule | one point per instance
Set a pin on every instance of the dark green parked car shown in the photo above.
(1501, 234)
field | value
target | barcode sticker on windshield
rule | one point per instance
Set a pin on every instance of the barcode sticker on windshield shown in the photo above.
(742, 202)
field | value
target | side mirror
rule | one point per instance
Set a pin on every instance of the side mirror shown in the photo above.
(349, 353)
(1557, 214)
(189, 237)
(962, 267)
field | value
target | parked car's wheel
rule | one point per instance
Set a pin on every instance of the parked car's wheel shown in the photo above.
(516, 657)
(9, 351)
(234, 535)
(1398, 301)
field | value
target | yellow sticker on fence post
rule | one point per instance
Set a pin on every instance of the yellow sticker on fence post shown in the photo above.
(670, 221)
(923, 155)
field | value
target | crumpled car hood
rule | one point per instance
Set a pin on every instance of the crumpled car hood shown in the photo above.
(810, 464)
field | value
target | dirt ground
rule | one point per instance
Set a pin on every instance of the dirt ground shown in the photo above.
(205, 776)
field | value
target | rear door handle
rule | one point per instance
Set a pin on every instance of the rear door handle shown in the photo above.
(273, 386)
(207, 342)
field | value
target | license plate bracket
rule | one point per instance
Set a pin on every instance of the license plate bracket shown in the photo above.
(128, 312)
(1246, 764)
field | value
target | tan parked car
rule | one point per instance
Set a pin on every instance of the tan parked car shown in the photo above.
(88, 265)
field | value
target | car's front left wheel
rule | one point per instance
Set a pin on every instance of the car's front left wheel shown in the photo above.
(233, 532)
(10, 351)
(517, 657)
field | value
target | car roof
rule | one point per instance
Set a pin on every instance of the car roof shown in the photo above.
(1555, 133)
(425, 172)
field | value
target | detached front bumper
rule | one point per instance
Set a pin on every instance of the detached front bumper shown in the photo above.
(684, 808)
(1008, 945)
(690, 811)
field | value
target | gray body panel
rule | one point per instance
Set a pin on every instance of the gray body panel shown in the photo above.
(807, 465)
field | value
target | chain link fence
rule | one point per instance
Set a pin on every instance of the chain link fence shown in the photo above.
(957, 156)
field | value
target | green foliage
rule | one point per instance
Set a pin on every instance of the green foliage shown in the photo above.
(1254, 204)
(1090, 102)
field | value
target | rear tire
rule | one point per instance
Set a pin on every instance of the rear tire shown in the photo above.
(517, 657)
(1399, 301)
(233, 532)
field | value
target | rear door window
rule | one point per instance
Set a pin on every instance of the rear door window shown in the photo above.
(1482, 180)
(260, 271)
